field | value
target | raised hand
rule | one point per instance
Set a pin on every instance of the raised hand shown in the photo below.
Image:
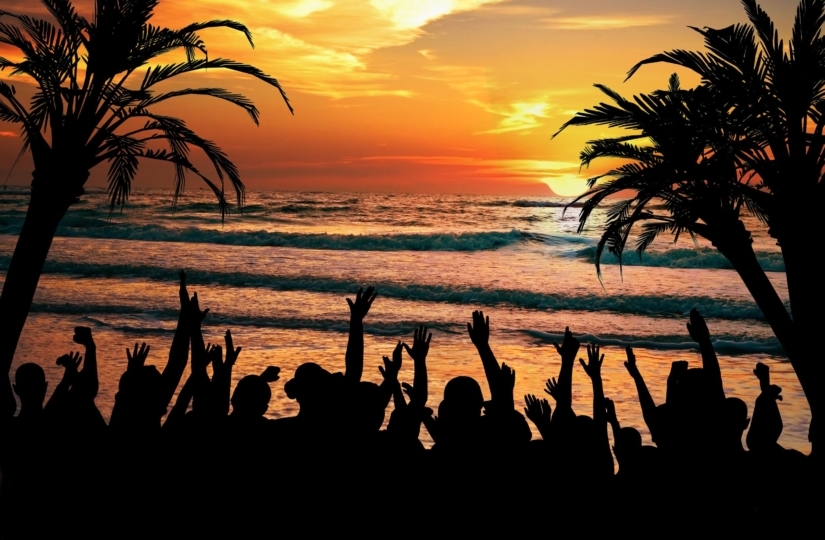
(763, 373)
(271, 374)
(508, 377)
(362, 304)
(137, 358)
(183, 293)
(593, 367)
(411, 392)
(537, 410)
(610, 408)
(569, 346)
(70, 362)
(231, 352)
(214, 355)
(197, 315)
(677, 369)
(83, 336)
(630, 364)
(421, 346)
(552, 389)
(479, 329)
(697, 328)
(391, 368)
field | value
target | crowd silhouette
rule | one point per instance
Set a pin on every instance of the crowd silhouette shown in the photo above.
(213, 460)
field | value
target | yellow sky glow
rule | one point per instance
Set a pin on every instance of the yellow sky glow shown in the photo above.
(454, 96)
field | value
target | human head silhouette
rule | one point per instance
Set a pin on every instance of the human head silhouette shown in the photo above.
(464, 396)
(30, 385)
(141, 395)
(310, 387)
(367, 412)
(251, 397)
(628, 447)
(734, 421)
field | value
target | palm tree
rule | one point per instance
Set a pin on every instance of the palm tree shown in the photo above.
(686, 180)
(779, 92)
(88, 109)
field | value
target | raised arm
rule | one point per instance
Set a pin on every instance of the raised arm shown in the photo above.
(612, 419)
(645, 399)
(134, 361)
(222, 375)
(57, 403)
(678, 368)
(499, 378)
(698, 330)
(562, 390)
(175, 416)
(179, 352)
(390, 373)
(8, 405)
(593, 368)
(195, 319)
(87, 384)
(539, 412)
(355, 345)
(766, 423)
(418, 352)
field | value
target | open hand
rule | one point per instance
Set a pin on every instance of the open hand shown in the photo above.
(569, 346)
(70, 362)
(537, 410)
(553, 389)
(214, 355)
(137, 358)
(420, 346)
(415, 396)
(593, 367)
(479, 329)
(231, 352)
(391, 367)
(697, 328)
(362, 304)
(508, 377)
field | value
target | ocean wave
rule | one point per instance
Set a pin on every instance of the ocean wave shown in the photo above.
(494, 203)
(703, 258)
(544, 204)
(93, 227)
(153, 324)
(721, 343)
(648, 305)
(162, 322)
(305, 208)
(391, 242)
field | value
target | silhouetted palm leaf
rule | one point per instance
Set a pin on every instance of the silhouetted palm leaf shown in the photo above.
(83, 108)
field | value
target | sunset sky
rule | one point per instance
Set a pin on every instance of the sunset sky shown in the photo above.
(452, 96)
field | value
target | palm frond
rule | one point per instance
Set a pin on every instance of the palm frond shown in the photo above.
(162, 73)
(220, 93)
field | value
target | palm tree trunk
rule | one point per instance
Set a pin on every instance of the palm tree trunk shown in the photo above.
(744, 261)
(805, 289)
(42, 218)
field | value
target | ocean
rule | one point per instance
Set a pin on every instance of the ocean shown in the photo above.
(278, 273)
